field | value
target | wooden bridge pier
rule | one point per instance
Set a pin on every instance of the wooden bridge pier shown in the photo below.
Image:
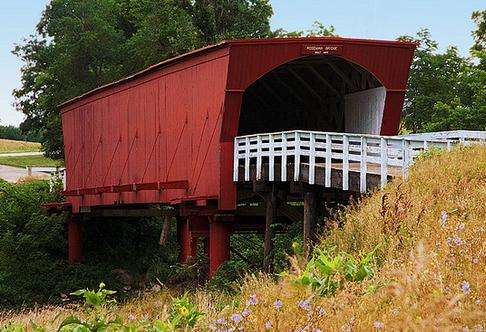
(310, 220)
(271, 202)
(75, 239)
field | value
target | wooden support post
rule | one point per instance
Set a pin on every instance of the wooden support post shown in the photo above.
(184, 237)
(310, 221)
(219, 243)
(164, 234)
(270, 218)
(75, 240)
(188, 240)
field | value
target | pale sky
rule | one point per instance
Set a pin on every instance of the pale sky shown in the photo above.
(448, 20)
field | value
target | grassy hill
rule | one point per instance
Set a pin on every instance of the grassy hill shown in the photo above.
(24, 161)
(7, 146)
(410, 257)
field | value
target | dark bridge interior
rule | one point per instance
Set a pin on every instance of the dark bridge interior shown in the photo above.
(306, 94)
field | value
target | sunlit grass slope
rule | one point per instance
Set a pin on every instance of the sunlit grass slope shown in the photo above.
(428, 236)
(7, 145)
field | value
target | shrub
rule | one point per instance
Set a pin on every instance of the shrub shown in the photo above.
(32, 245)
(328, 270)
(33, 249)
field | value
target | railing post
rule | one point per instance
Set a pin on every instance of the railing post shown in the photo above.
(345, 162)
(405, 157)
(271, 158)
(247, 159)
(383, 161)
(297, 156)
(363, 165)
(312, 158)
(328, 161)
(235, 160)
(283, 173)
(259, 158)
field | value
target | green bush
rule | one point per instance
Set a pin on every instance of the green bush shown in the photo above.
(33, 250)
(32, 246)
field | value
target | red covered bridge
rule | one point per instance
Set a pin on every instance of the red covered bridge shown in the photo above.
(166, 136)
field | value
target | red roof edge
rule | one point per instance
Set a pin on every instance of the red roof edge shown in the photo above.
(225, 43)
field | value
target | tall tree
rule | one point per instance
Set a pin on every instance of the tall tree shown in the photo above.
(77, 46)
(81, 44)
(229, 19)
(445, 90)
(479, 17)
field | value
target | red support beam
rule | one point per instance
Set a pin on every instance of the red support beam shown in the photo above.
(219, 243)
(188, 240)
(132, 187)
(185, 240)
(75, 240)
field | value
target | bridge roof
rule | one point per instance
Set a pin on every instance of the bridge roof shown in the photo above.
(282, 42)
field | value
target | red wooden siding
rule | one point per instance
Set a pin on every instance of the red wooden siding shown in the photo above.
(159, 130)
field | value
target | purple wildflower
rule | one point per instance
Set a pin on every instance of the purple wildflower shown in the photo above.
(317, 330)
(454, 241)
(246, 312)
(321, 311)
(465, 287)
(278, 304)
(252, 300)
(475, 261)
(304, 304)
(443, 219)
(378, 325)
(461, 226)
(268, 325)
(221, 321)
(236, 318)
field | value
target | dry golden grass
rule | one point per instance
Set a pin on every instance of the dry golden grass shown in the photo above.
(7, 145)
(432, 235)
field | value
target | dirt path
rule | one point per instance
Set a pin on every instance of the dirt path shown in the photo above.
(20, 154)
(13, 174)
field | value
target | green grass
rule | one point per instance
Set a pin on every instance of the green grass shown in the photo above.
(8, 146)
(25, 161)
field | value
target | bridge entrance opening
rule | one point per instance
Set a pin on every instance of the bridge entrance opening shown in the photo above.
(319, 93)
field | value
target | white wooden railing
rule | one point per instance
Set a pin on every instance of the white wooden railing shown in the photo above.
(461, 136)
(380, 155)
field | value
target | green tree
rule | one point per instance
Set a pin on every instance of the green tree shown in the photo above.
(445, 90)
(80, 45)
(217, 20)
(77, 46)
(479, 17)
(318, 29)
(162, 30)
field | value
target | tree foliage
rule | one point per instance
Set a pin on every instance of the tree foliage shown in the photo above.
(318, 29)
(445, 90)
(80, 45)
(14, 133)
(479, 17)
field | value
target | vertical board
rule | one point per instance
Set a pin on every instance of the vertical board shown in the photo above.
(363, 111)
